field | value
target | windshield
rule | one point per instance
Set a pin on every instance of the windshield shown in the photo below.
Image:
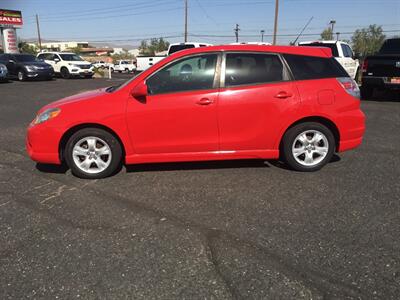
(391, 47)
(326, 45)
(177, 48)
(25, 58)
(71, 57)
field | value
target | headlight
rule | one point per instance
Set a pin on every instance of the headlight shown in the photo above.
(46, 115)
(31, 68)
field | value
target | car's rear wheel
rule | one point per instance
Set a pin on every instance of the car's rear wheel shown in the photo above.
(21, 75)
(65, 73)
(308, 146)
(93, 153)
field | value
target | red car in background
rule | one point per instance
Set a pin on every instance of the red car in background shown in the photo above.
(212, 103)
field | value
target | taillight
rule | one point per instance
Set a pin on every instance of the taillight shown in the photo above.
(364, 66)
(350, 86)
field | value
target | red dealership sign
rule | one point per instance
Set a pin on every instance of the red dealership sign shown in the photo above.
(10, 18)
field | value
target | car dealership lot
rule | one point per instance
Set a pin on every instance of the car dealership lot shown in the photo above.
(232, 229)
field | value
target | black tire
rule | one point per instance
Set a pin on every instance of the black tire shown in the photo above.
(367, 92)
(290, 137)
(127, 70)
(21, 75)
(88, 76)
(112, 142)
(65, 73)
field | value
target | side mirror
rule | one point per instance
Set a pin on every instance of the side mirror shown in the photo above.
(139, 91)
(11, 61)
(56, 60)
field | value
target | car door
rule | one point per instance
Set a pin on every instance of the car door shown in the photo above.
(179, 114)
(255, 99)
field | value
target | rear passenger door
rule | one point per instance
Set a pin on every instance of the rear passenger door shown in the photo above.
(255, 96)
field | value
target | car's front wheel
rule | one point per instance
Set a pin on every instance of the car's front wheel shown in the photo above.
(21, 75)
(65, 73)
(308, 146)
(93, 153)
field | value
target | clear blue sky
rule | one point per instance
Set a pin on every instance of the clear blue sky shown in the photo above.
(129, 21)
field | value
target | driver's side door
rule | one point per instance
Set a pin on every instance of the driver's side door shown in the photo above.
(179, 114)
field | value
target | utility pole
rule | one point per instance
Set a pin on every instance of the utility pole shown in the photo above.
(337, 35)
(332, 23)
(276, 21)
(186, 21)
(262, 35)
(237, 33)
(38, 32)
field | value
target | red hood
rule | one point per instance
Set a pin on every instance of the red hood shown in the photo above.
(76, 98)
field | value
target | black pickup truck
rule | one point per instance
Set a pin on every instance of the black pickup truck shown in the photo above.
(382, 71)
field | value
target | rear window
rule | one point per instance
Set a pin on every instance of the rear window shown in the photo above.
(252, 68)
(391, 46)
(333, 47)
(310, 67)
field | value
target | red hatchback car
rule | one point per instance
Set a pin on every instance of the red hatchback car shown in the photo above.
(211, 103)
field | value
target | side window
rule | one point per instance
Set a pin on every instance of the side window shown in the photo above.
(188, 74)
(350, 52)
(346, 51)
(311, 67)
(252, 68)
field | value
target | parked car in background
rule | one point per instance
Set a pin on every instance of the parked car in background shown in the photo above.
(342, 53)
(3, 73)
(124, 66)
(26, 66)
(145, 62)
(212, 103)
(67, 64)
(382, 71)
(100, 64)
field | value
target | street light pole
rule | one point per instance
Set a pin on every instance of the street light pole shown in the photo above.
(262, 35)
(332, 23)
(186, 21)
(276, 21)
(38, 32)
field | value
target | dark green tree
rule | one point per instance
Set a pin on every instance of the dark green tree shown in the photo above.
(24, 47)
(367, 41)
(155, 45)
(327, 34)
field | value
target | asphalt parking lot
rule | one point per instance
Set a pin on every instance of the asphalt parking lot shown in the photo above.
(212, 230)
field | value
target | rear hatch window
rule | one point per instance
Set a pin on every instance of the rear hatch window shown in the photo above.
(310, 67)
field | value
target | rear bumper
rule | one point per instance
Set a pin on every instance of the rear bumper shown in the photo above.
(352, 130)
(379, 82)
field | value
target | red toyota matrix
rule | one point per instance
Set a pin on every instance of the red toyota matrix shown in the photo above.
(224, 102)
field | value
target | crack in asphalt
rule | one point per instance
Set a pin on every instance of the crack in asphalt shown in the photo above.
(325, 284)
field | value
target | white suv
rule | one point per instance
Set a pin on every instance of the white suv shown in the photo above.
(67, 64)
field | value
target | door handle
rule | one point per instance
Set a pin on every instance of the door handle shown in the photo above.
(283, 95)
(204, 101)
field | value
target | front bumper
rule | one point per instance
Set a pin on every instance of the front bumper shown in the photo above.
(42, 144)
(40, 74)
(81, 72)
